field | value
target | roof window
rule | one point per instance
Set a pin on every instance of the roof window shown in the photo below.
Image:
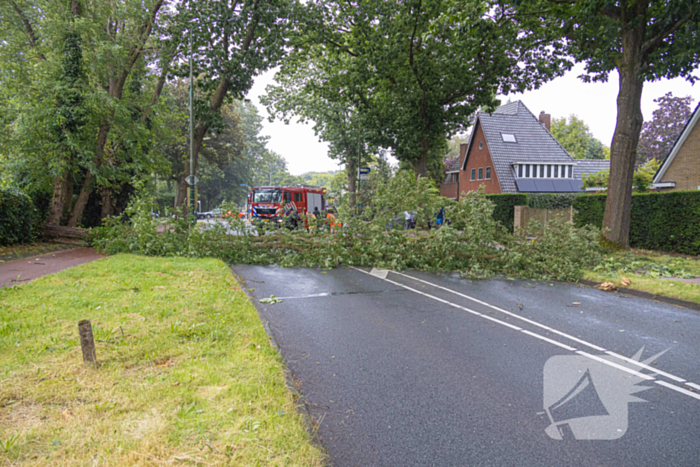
(508, 138)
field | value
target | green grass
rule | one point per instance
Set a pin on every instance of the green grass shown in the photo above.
(187, 374)
(651, 272)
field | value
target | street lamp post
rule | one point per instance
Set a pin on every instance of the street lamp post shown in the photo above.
(190, 201)
(193, 180)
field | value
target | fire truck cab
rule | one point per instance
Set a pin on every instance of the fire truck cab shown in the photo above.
(274, 203)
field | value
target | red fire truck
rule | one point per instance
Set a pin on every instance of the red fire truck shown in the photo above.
(275, 203)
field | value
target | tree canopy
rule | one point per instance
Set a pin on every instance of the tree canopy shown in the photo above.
(661, 132)
(575, 136)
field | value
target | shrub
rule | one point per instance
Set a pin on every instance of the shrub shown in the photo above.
(659, 221)
(504, 207)
(18, 218)
(551, 200)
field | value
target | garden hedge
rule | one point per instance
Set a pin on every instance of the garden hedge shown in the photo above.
(18, 217)
(504, 211)
(660, 221)
(551, 200)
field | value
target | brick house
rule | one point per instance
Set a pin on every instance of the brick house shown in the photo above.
(680, 169)
(512, 151)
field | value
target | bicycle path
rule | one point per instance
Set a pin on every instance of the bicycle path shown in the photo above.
(27, 269)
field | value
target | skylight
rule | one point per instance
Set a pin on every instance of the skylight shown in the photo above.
(508, 138)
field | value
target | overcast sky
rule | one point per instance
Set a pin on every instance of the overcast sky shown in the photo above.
(594, 103)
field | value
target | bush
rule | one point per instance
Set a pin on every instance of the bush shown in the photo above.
(18, 218)
(659, 221)
(504, 207)
(551, 200)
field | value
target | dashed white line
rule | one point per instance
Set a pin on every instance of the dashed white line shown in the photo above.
(546, 339)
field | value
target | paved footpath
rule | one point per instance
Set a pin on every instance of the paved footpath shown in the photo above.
(27, 269)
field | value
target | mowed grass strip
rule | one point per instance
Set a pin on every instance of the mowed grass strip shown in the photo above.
(187, 374)
(644, 261)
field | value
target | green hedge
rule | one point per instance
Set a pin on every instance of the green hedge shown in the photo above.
(18, 217)
(504, 212)
(659, 221)
(551, 200)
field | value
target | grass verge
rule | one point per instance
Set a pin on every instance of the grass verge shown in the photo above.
(187, 374)
(652, 272)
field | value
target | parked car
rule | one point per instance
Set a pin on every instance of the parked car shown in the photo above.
(209, 214)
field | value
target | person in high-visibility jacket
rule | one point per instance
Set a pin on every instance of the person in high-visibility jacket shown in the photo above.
(331, 220)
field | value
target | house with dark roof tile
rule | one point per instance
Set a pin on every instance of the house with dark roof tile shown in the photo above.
(512, 151)
(680, 169)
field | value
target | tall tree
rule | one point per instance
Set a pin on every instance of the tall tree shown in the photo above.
(234, 41)
(415, 84)
(308, 88)
(575, 136)
(642, 40)
(661, 132)
(71, 116)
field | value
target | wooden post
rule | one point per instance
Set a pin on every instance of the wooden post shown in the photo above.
(87, 343)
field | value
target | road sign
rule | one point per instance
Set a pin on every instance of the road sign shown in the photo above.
(363, 170)
(364, 176)
(191, 180)
(244, 184)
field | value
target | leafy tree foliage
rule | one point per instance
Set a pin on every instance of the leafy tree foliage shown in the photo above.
(412, 83)
(233, 42)
(575, 136)
(661, 132)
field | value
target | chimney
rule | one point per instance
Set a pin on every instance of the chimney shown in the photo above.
(546, 120)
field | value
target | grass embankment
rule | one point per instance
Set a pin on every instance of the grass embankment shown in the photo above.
(652, 272)
(187, 374)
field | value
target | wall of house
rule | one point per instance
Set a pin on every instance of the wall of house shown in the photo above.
(449, 190)
(475, 159)
(685, 169)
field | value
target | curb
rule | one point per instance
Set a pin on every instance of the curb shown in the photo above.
(300, 399)
(648, 295)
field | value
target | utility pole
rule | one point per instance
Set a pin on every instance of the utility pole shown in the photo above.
(190, 200)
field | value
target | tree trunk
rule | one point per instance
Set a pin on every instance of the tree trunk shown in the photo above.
(68, 204)
(107, 204)
(82, 201)
(420, 167)
(623, 151)
(352, 179)
(60, 194)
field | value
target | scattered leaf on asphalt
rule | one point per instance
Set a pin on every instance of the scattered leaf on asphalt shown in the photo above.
(575, 303)
(272, 299)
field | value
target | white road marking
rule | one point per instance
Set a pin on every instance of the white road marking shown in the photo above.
(380, 273)
(676, 388)
(615, 365)
(600, 349)
(543, 338)
(646, 367)
(501, 310)
(551, 341)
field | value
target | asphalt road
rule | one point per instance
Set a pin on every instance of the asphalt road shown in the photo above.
(419, 369)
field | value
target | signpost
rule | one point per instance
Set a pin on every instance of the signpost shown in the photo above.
(363, 173)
